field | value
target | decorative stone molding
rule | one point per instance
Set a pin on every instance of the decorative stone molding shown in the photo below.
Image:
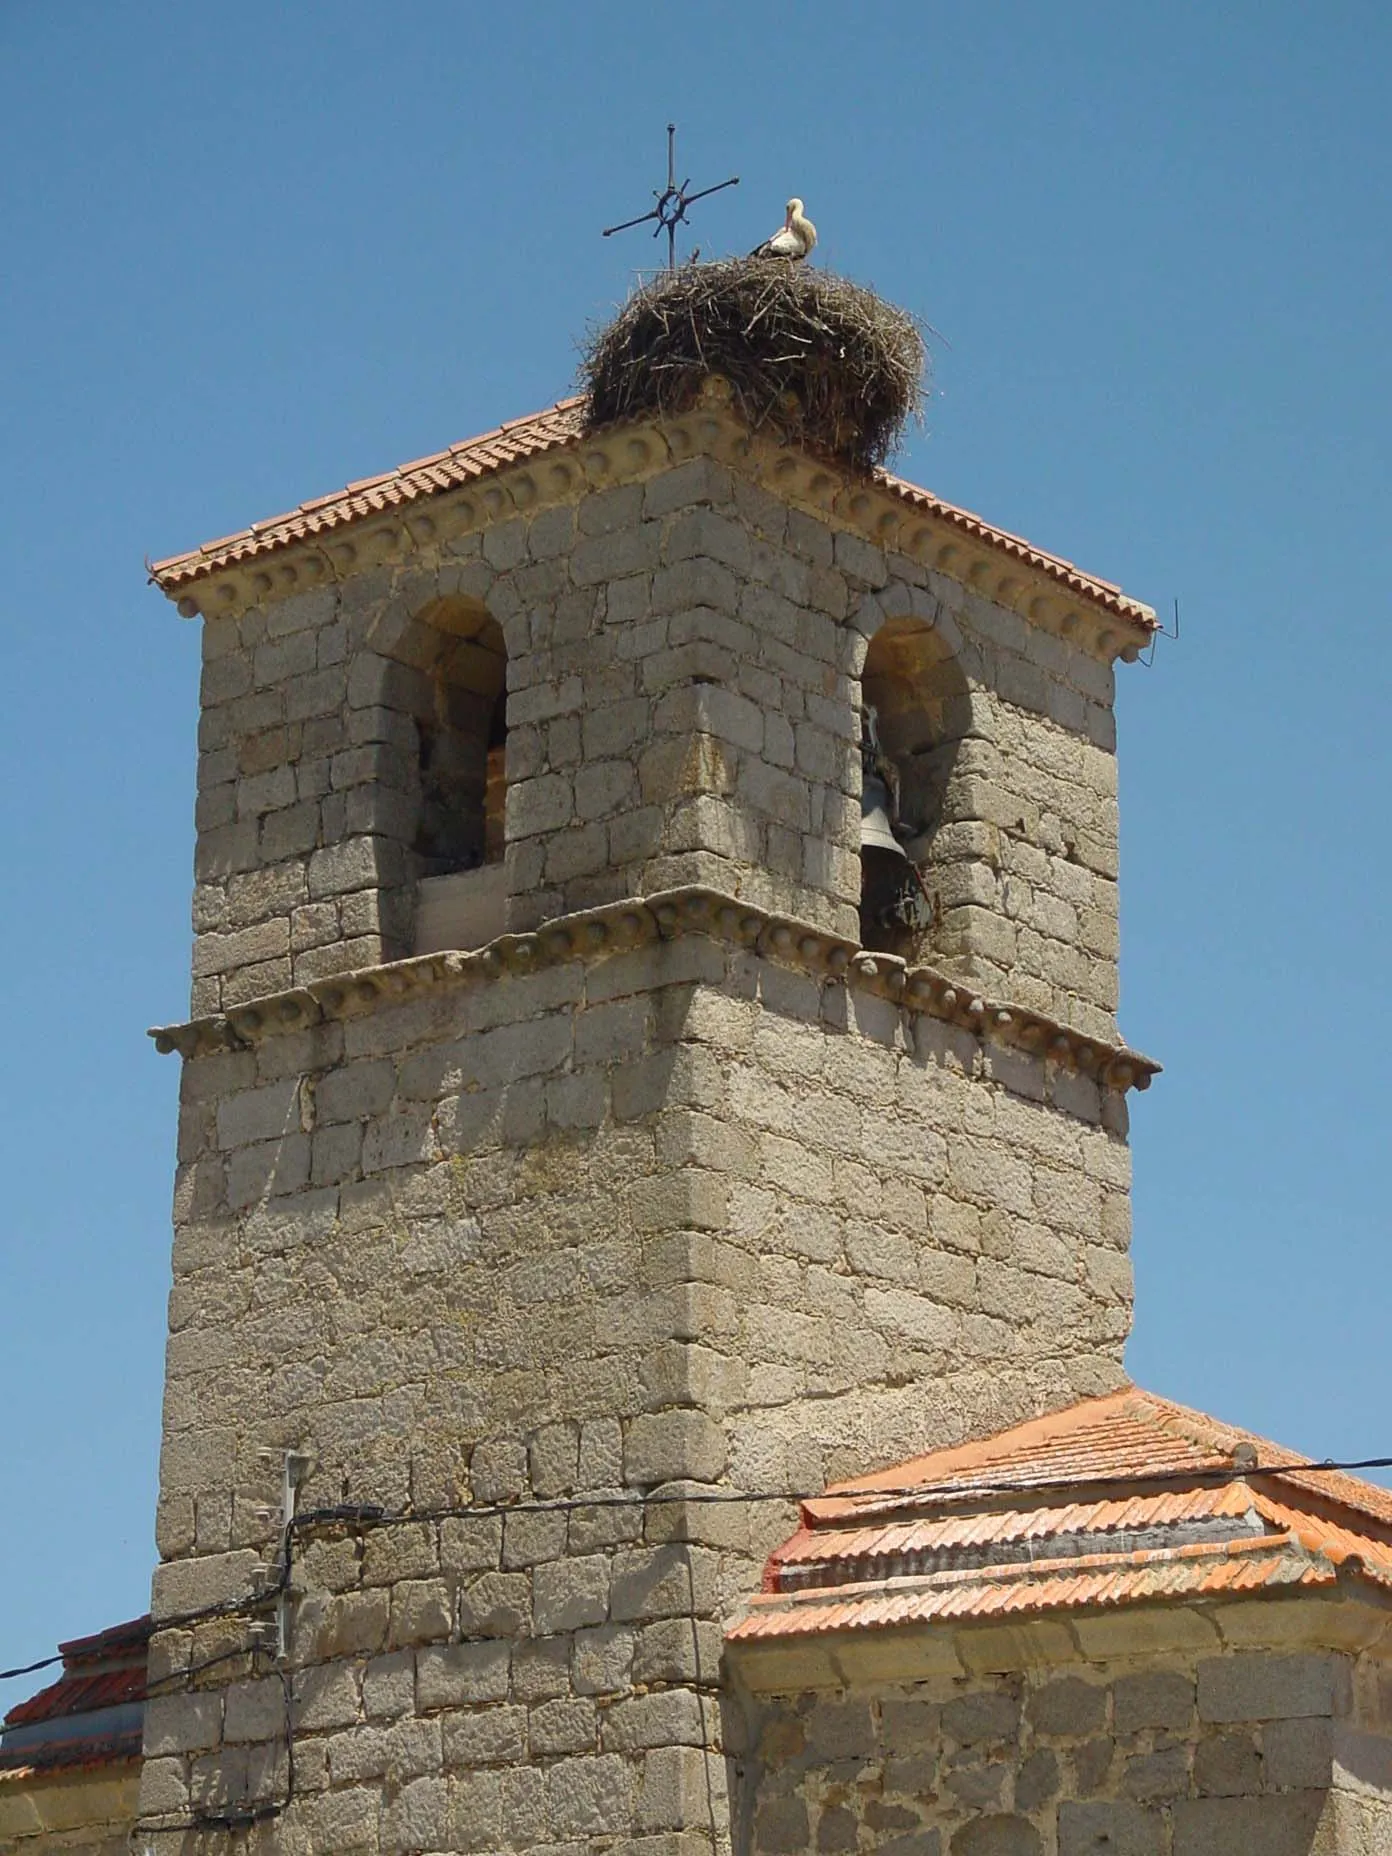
(597, 933)
(884, 510)
(1349, 1617)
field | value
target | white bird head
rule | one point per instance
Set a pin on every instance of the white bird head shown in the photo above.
(794, 210)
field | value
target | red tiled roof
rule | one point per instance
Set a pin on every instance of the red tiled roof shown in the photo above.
(103, 1681)
(101, 1671)
(1095, 1581)
(554, 428)
(1116, 1500)
(79, 1694)
(1087, 586)
(83, 1753)
(370, 496)
(133, 1635)
(1124, 1436)
(557, 426)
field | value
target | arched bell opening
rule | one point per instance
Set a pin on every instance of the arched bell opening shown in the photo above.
(461, 772)
(461, 745)
(915, 712)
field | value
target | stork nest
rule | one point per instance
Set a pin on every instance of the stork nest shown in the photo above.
(826, 363)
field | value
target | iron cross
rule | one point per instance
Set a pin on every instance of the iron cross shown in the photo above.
(670, 211)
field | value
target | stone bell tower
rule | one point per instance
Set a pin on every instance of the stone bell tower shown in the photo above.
(564, 1149)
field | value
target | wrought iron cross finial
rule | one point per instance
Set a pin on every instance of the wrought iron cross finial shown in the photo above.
(670, 210)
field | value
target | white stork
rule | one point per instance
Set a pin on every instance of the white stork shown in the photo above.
(794, 238)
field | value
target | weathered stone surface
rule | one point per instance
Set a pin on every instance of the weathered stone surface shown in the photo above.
(781, 1827)
(1227, 1765)
(1297, 1755)
(997, 1835)
(1037, 1780)
(986, 1717)
(1277, 1826)
(1110, 1830)
(984, 1766)
(1258, 1687)
(449, 1675)
(667, 1218)
(1068, 1706)
(1161, 1774)
(633, 645)
(1159, 1698)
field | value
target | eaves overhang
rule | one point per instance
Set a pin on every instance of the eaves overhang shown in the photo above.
(552, 457)
(1117, 1521)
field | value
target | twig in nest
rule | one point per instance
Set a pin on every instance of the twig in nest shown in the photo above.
(826, 362)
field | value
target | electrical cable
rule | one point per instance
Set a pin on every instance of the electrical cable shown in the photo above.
(44, 1662)
(233, 1817)
(187, 1674)
(365, 1517)
(368, 1515)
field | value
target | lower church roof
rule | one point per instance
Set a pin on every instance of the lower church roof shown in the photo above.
(1119, 1500)
(93, 1715)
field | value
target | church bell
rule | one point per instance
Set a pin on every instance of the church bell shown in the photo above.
(876, 833)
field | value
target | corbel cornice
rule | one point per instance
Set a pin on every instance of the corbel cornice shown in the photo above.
(597, 933)
(312, 548)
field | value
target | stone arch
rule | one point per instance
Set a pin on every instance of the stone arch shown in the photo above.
(442, 686)
(914, 681)
(461, 739)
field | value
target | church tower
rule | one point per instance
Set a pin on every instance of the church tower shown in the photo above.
(586, 1145)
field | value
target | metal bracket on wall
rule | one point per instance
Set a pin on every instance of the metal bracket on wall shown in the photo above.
(1160, 633)
(295, 1467)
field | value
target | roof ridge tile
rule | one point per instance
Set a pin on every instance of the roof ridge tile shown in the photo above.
(871, 1539)
(556, 425)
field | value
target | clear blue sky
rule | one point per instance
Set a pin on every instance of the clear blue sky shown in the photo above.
(252, 253)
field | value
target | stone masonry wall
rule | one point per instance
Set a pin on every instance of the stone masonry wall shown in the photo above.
(512, 1175)
(675, 1216)
(1263, 1753)
(684, 659)
(65, 1811)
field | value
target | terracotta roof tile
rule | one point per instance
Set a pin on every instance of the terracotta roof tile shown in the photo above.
(1118, 1438)
(1094, 1582)
(552, 429)
(79, 1694)
(1114, 1501)
(99, 1671)
(134, 1634)
(558, 425)
(91, 1713)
